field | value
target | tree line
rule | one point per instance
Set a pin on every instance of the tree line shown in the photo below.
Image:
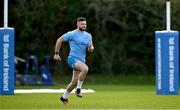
(122, 30)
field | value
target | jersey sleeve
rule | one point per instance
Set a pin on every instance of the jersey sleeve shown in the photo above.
(67, 36)
(90, 37)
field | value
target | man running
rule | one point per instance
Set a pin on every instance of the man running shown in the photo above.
(80, 41)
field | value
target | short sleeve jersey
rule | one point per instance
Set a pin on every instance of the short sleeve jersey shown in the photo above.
(78, 42)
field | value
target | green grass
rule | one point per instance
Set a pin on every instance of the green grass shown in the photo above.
(106, 97)
(143, 79)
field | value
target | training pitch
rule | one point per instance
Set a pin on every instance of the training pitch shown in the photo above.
(105, 97)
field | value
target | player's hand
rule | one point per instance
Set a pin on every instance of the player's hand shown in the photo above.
(57, 57)
(90, 49)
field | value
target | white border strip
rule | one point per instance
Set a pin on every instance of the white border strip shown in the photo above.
(49, 91)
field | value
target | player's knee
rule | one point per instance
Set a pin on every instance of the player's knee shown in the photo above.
(85, 69)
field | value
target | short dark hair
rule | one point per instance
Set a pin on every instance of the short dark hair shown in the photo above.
(81, 19)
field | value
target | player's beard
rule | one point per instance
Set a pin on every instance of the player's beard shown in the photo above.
(82, 29)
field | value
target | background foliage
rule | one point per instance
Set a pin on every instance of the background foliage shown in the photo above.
(123, 31)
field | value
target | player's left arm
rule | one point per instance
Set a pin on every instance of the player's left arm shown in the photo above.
(90, 46)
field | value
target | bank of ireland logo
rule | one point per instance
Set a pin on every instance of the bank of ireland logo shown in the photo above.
(6, 62)
(171, 64)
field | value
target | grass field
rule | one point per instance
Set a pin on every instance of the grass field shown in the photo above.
(105, 97)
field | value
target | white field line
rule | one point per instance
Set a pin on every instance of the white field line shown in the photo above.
(49, 91)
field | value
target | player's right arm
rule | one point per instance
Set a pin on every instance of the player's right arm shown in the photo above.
(66, 37)
(57, 48)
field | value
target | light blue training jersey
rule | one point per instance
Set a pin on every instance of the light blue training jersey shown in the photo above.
(78, 42)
